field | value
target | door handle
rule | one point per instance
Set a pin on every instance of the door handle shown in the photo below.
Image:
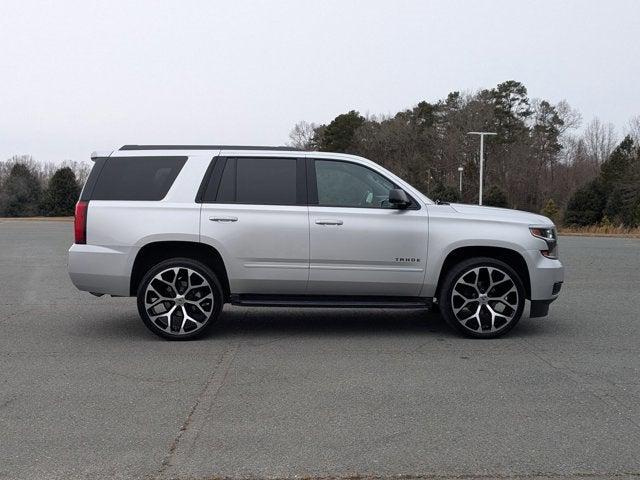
(327, 221)
(223, 219)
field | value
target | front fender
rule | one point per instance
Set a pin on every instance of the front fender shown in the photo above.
(448, 234)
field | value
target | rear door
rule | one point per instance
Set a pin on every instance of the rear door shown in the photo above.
(359, 244)
(254, 212)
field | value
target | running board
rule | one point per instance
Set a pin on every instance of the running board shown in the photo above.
(335, 301)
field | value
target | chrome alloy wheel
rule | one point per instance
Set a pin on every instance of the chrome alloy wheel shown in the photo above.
(485, 299)
(179, 300)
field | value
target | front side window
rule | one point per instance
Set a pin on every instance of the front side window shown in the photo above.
(343, 184)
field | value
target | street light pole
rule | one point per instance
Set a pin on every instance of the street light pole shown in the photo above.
(481, 134)
(460, 169)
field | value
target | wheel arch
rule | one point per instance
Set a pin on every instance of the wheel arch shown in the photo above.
(511, 257)
(155, 252)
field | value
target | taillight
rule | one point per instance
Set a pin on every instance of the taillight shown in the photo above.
(80, 222)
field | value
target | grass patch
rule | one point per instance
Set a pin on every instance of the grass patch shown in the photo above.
(602, 231)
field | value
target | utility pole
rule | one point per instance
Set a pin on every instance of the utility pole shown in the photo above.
(460, 169)
(481, 134)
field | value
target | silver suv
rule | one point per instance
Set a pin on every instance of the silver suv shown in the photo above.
(187, 229)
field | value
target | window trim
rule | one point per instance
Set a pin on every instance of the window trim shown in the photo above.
(92, 179)
(312, 186)
(206, 178)
(219, 165)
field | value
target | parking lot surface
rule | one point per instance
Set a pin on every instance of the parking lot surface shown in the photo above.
(87, 392)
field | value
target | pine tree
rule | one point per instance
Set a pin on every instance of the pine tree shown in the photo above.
(61, 194)
(620, 176)
(511, 110)
(445, 193)
(616, 167)
(495, 197)
(551, 210)
(586, 206)
(21, 192)
(338, 135)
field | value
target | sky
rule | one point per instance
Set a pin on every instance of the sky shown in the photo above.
(78, 76)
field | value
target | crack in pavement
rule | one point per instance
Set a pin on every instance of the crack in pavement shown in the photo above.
(10, 315)
(208, 394)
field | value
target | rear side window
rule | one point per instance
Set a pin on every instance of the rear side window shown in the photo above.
(266, 181)
(137, 178)
(259, 181)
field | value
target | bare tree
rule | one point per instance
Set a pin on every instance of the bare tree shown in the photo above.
(570, 117)
(634, 128)
(600, 139)
(301, 136)
(81, 169)
(32, 165)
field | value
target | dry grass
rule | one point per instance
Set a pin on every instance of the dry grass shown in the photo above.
(601, 231)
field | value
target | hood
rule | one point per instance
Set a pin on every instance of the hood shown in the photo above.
(501, 214)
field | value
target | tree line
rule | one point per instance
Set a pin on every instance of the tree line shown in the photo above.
(539, 160)
(29, 188)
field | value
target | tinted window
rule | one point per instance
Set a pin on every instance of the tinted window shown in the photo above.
(227, 188)
(343, 184)
(262, 181)
(137, 178)
(92, 179)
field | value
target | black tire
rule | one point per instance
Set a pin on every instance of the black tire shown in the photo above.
(485, 322)
(191, 302)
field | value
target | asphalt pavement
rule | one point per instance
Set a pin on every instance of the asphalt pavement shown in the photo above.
(87, 392)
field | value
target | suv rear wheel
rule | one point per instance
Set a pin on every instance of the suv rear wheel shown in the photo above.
(179, 298)
(482, 297)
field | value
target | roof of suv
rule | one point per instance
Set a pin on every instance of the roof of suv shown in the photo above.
(134, 150)
(207, 147)
(200, 150)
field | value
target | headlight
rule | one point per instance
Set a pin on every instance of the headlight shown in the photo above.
(548, 234)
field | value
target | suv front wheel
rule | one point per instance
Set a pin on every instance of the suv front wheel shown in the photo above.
(482, 297)
(179, 298)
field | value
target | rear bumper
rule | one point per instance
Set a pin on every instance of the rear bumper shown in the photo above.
(100, 269)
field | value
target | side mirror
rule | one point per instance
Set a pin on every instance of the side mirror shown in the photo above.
(398, 198)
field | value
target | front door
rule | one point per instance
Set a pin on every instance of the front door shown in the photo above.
(254, 212)
(359, 244)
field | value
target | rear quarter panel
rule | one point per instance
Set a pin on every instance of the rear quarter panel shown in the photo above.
(117, 230)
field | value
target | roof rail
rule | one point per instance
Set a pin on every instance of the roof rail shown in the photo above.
(205, 147)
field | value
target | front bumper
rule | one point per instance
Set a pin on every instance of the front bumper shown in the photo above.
(544, 274)
(546, 277)
(540, 308)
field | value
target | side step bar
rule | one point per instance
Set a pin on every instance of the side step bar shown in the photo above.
(349, 301)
